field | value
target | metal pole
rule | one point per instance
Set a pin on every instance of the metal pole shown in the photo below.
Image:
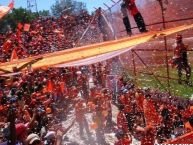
(165, 43)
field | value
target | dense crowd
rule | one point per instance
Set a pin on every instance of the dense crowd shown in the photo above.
(34, 105)
(48, 34)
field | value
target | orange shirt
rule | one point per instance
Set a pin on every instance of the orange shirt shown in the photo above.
(188, 127)
(122, 122)
(139, 102)
(148, 139)
(150, 113)
(126, 101)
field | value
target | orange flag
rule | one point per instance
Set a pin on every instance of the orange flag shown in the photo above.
(50, 87)
(5, 9)
(11, 5)
(26, 27)
(14, 55)
(6, 45)
(19, 26)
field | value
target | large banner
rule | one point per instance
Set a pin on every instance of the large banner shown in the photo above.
(5, 9)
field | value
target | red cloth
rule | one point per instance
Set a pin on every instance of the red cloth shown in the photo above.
(14, 55)
(6, 46)
(5, 10)
(150, 113)
(11, 5)
(131, 6)
(122, 121)
(126, 101)
(150, 135)
(19, 26)
(139, 102)
(26, 27)
(50, 87)
(20, 129)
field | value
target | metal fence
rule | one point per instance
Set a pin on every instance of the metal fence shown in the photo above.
(150, 61)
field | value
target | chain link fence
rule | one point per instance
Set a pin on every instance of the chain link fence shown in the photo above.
(147, 62)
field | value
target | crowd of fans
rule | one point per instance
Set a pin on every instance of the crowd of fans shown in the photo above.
(34, 105)
(48, 34)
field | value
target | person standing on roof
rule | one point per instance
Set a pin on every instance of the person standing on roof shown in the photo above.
(132, 8)
(126, 21)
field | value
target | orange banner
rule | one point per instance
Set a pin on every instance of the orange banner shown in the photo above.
(184, 139)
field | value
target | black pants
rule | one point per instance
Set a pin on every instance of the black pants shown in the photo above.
(140, 22)
(130, 120)
(182, 64)
(187, 69)
(127, 24)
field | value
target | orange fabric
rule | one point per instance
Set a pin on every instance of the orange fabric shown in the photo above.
(19, 26)
(126, 101)
(186, 113)
(1, 108)
(63, 88)
(139, 101)
(11, 5)
(122, 122)
(151, 116)
(26, 27)
(50, 87)
(123, 141)
(6, 46)
(188, 127)
(14, 55)
(184, 139)
(5, 10)
(149, 138)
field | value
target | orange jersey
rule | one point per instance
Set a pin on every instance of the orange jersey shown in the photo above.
(126, 101)
(122, 122)
(188, 127)
(150, 113)
(139, 102)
